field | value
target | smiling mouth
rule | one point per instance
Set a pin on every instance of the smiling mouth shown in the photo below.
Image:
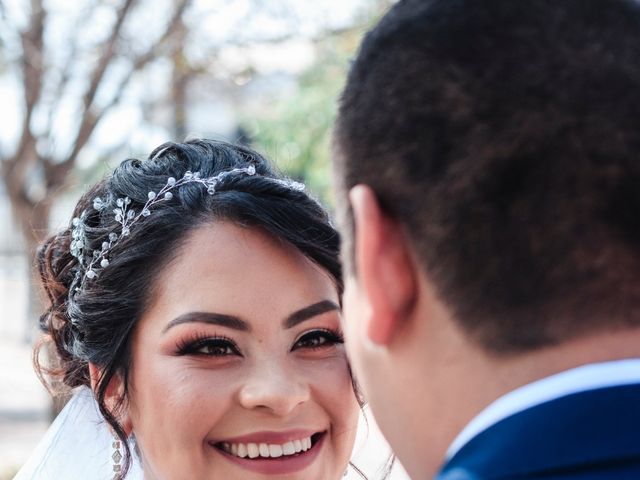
(262, 451)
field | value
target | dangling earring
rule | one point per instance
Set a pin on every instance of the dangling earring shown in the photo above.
(117, 456)
(355, 469)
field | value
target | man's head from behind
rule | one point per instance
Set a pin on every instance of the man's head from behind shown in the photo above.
(501, 142)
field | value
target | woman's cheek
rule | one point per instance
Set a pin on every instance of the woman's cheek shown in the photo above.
(331, 374)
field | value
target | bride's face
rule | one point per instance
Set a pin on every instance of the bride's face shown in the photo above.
(238, 367)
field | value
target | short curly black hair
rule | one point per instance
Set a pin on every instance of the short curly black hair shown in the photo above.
(504, 135)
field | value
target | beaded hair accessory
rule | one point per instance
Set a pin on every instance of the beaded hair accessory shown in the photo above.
(127, 217)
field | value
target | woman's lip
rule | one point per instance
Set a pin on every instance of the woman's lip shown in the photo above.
(270, 437)
(280, 465)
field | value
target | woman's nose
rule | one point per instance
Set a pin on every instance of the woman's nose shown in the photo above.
(274, 388)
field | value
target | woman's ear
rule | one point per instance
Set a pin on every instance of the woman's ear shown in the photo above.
(384, 267)
(114, 398)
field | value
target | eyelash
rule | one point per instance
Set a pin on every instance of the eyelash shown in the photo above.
(331, 337)
(192, 345)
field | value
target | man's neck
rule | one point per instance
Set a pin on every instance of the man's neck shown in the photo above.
(468, 380)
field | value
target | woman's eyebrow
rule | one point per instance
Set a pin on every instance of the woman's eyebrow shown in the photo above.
(236, 323)
(228, 321)
(309, 312)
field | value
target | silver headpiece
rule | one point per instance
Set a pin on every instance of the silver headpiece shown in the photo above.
(127, 217)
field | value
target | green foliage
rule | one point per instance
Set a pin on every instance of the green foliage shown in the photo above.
(296, 131)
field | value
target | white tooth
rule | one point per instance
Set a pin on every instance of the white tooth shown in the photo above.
(242, 450)
(298, 445)
(252, 450)
(288, 448)
(234, 449)
(264, 450)
(275, 451)
(307, 443)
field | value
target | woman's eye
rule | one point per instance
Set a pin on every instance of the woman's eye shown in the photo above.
(212, 347)
(216, 348)
(318, 339)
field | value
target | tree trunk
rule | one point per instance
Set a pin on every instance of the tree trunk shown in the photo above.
(33, 219)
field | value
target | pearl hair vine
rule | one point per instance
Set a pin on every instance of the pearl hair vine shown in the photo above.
(126, 217)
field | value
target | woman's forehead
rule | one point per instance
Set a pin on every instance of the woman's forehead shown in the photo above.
(244, 272)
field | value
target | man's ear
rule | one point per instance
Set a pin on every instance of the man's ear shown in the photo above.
(113, 397)
(384, 266)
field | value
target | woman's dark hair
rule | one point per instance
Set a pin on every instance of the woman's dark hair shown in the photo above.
(95, 323)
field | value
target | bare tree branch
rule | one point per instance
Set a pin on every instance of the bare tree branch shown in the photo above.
(107, 54)
(32, 54)
(16, 167)
(164, 45)
(56, 171)
(66, 70)
(89, 119)
(166, 38)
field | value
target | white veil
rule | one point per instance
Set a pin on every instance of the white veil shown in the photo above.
(78, 444)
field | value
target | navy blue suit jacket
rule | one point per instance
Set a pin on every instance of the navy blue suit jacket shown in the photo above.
(593, 435)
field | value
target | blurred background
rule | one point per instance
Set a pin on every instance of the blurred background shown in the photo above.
(87, 83)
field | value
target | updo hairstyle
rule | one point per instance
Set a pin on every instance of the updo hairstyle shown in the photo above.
(95, 323)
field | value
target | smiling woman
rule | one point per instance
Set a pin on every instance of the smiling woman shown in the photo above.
(241, 357)
(196, 294)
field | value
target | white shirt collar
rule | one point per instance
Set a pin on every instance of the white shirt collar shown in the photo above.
(580, 379)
